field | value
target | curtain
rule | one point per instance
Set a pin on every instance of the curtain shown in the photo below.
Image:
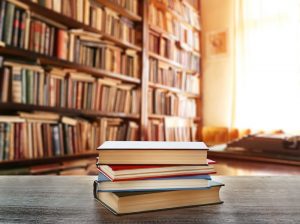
(267, 65)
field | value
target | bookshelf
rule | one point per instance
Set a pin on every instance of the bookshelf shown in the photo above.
(124, 29)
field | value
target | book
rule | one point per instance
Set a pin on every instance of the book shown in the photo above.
(156, 127)
(153, 184)
(133, 202)
(136, 172)
(8, 23)
(139, 152)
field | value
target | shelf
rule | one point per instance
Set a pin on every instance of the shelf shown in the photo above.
(173, 89)
(124, 12)
(64, 111)
(46, 160)
(161, 116)
(74, 24)
(170, 62)
(161, 58)
(42, 59)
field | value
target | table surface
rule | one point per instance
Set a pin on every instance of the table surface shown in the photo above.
(69, 199)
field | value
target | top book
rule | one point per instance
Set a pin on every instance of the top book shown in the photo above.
(152, 152)
(152, 145)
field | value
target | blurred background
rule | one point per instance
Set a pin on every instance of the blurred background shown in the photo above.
(77, 73)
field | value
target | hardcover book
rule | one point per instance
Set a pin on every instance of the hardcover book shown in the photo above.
(132, 202)
(151, 152)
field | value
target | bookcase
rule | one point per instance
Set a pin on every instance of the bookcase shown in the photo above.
(75, 73)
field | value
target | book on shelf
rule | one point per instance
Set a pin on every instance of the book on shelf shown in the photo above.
(117, 130)
(131, 152)
(156, 130)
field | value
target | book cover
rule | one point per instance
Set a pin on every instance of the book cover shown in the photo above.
(152, 145)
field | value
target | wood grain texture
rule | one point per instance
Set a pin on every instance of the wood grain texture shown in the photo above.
(54, 199)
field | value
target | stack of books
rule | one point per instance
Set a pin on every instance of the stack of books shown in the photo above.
(137, 176)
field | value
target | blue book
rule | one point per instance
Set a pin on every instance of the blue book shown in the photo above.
(117, 202)
(102, 177)
(155, 184)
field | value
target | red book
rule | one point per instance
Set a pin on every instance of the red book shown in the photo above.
(16, 28)
(62, 44)
(138, 172)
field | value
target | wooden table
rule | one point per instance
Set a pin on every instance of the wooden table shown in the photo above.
(54, 199)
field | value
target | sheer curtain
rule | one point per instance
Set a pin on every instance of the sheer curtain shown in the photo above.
(267, 65)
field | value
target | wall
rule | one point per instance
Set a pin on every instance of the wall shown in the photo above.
(217, 15)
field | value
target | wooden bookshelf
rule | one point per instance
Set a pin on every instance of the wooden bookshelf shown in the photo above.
(9, 107)
(46, 160)
(175, 41)
(142, 26)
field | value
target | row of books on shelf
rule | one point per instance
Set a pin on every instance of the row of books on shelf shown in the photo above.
(165, 74)
(40, 134)
(65, 88)
(87, 49)
(28, 30)
(92, 13)
(172, 129)
(175, 24)
(80, 9)
(167, 103)
(168, 49)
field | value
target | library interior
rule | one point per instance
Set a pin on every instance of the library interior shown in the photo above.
(77, 73)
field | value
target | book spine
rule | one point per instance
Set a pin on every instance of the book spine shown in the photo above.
(22, 32)
(55, 140)
(8, 23)
(16, 28)
(16, 86)
(2, 132)
(62, 44)
(2, 18)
